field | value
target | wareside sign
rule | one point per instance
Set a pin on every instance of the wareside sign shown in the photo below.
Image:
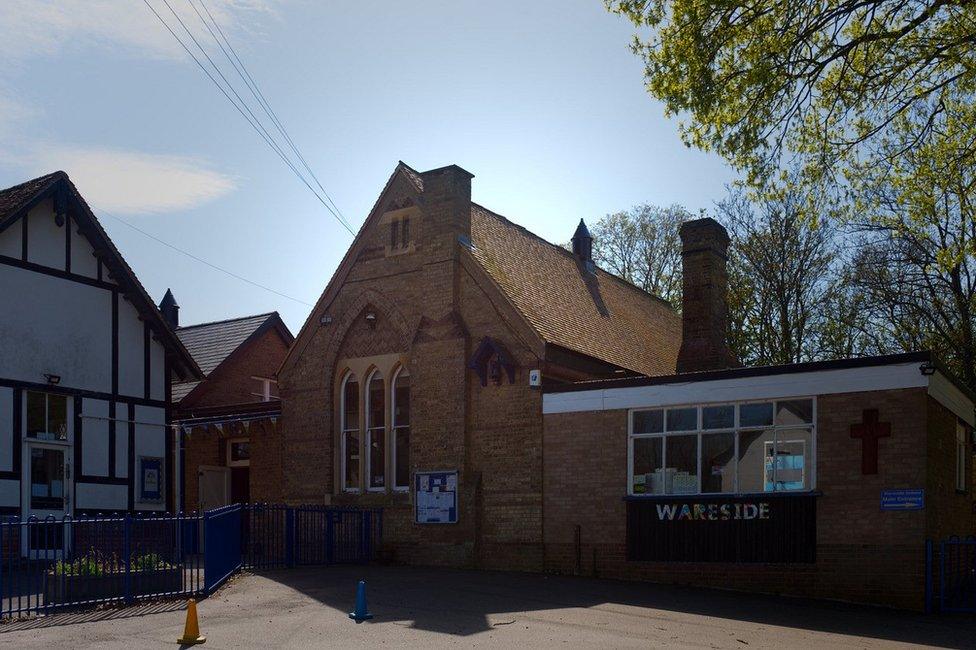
(903, 499)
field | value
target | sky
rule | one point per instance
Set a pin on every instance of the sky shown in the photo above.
(543, 102)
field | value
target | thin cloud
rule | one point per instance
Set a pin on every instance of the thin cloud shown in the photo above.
(34, 28)
(133, 182)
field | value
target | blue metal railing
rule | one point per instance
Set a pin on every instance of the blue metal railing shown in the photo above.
(47, 565)
(957, 574)
(277, 536)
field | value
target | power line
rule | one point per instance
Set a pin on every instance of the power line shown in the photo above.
(256, 121)
(203, 261)
(252, 85)
(257, 128)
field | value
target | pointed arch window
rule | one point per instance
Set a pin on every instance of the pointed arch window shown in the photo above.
(349, 410)
(376, 432)
(401, 430)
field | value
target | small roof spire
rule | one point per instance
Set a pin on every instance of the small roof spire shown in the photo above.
(583, 243)
(168, 300)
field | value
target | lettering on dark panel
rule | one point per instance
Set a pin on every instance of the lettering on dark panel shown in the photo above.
(723, 529)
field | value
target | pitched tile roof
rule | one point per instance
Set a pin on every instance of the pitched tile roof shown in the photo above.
(210, 343)
(12, 198)
(592, 312)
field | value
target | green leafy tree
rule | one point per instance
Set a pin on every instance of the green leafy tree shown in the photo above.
(822, 80)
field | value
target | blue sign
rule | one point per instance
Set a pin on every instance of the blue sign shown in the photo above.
(150, 479)
(902, 499)
(436, 497)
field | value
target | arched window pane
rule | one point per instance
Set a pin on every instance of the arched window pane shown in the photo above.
(350, 434)
(401, 429)
(376, 434)
(401, 400)
(351, 404)
(376, 402)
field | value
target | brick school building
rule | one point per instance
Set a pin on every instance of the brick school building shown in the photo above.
(512, 406)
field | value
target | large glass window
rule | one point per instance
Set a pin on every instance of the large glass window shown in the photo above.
(401, 430)
(350, 433)
(724, 448)
(376, 432)
(47, 416)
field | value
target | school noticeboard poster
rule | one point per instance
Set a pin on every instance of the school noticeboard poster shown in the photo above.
(150, 479)
(436, 497)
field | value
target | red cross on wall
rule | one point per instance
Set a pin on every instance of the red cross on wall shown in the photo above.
(870, 431)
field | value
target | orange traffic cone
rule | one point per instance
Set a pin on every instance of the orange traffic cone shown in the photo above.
(191, 631)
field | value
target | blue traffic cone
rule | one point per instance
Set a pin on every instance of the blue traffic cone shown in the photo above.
(362, 612)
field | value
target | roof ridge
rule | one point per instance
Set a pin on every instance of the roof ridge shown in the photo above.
(42, 177)
(567, 253)
(226, 320)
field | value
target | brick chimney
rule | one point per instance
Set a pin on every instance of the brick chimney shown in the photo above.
(705, 288)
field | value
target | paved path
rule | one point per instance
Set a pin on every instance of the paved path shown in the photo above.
(424, 608)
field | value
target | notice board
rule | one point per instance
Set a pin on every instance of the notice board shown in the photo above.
(435, 497)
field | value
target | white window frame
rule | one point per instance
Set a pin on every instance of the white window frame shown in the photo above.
(266, 394)
(809, 467)
(238, 463)
(371, 430)
(68, 414)
(393, 430)
(343, 431)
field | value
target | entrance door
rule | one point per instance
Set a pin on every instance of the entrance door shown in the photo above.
(46, 493)
(214, 487)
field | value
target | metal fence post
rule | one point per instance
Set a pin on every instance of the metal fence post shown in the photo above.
(290, 537)
(942, 574)
(127, 553)
(929, 568)
(364, 542)
(330, 536)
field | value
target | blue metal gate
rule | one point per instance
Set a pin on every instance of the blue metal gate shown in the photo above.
(951, 575)
(221, 545)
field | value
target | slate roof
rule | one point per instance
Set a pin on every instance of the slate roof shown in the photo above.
(589, 311)
(210, 343)
(17, 200)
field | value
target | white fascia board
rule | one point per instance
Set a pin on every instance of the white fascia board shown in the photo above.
(943, 391)
(776, 386)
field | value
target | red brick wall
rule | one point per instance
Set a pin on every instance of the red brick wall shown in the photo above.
(948, 512)
(863, 553)
(232, 384)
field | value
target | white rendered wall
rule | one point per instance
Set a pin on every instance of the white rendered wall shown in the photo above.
(96, 496)
(122, 441)
(131, 350)
(157, 366)
(9, 494)
(83, 260)
(94, 438)
(11, 241)
(150, 441)
(6, 429)
(45, 240)
(56, 326)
